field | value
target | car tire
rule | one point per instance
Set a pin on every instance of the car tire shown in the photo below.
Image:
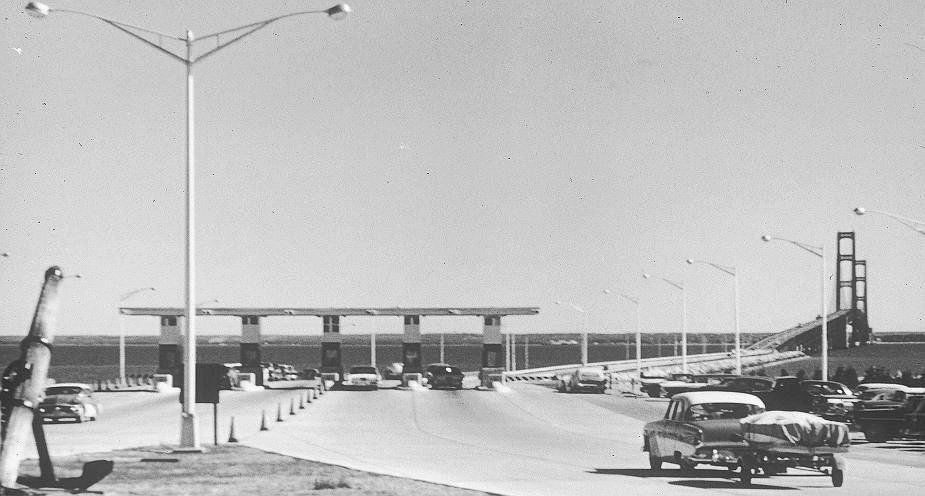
(876, 435)
(655, 463)
(838, 477)
(687, 467)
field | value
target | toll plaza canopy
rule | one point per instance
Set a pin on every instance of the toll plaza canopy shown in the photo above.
(321, 312)
(251, 356)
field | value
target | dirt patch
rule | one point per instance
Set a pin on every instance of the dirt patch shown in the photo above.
(234, 469)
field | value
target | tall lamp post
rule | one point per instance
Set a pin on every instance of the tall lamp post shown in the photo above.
(916, 225)
(122, 298)
(635, 301)
(819, 251)
(189, 435)
(584, 329)
(679, 285)
(735, 304)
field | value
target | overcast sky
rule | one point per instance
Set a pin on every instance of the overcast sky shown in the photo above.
(449, 153)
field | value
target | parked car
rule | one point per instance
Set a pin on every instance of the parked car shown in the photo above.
(311, 374)
(696, 382)
(701, 427)
(361, 376)
(441, 375)
(886, 411)
(69, 401)
(831, 400)
(742, 384)
(394, 370)
(584, 379)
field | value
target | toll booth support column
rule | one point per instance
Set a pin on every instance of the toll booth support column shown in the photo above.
(411, 349)
(330, 348)
(168, 348)
(250, 348)
(492, 351)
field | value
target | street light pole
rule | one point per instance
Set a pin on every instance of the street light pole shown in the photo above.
(122, 298)
(819, 251)
(683, 318)
(635, 301)
(735, 305)
(189, 435)
(916, 225)
(584, 329)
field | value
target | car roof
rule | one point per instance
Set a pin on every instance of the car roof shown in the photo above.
(595, 368)
(69, 384)
(698, 397)
(882, 385)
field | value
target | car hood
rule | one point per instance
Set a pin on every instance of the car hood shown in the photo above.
(361, 376)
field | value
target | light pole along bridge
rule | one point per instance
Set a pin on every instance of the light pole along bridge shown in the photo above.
(171, 321)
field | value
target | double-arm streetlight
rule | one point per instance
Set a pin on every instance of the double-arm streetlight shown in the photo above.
(584, 328)
(122, 298)
(916, 225)
(735, 304)
(189, 436)
(679, 285)
(819, 251)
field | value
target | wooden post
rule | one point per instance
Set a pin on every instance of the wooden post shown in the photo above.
(36, 357)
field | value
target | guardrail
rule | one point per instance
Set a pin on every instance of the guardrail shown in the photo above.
(625, 370)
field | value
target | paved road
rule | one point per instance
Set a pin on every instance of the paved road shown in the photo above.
(528, 440)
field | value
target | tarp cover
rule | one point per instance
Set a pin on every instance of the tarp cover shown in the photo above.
(799, 428)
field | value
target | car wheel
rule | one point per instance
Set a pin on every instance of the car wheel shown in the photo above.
(838, 477)
(745, 473)
(876, 435)
(655, 463)
(687, 467)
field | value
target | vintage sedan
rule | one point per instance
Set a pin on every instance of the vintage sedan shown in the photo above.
(584, 379)
(701, 427)
(69, 401)
(361, 376)
(441, 375)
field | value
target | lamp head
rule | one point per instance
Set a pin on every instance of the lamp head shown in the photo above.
(558, 302)
(37, 9)
(606, 291)
(860, 210)
(338, 12)
(646, 275)
(766, 238)
(690, 261)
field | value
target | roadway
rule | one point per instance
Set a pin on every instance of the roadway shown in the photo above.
(521, 440)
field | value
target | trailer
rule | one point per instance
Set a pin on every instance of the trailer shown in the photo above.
(775, 459)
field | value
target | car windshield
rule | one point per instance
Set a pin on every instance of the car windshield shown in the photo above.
(62, 390)
(362, 370)
(445, 370)
(716, 411)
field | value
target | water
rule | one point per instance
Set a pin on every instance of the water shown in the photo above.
(79, 363)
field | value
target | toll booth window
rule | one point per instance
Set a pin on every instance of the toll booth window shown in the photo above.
(492, 320)
(169, 321)
(251, 320)
(412, 320)
(332, 323)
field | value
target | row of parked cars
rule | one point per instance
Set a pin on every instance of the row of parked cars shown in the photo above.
(881, 411)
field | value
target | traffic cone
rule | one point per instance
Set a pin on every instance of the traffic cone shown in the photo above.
(291, 406)
(309, 394)
(301, 403)
(279, 412)
(263, 420)
(231, 438)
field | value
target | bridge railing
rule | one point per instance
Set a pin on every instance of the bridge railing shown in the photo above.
(622, 373)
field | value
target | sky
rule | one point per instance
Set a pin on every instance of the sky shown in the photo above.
(450, 153)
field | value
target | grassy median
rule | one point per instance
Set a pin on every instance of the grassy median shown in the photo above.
(235, 469)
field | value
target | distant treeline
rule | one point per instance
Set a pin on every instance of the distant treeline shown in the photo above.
(449, 338)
